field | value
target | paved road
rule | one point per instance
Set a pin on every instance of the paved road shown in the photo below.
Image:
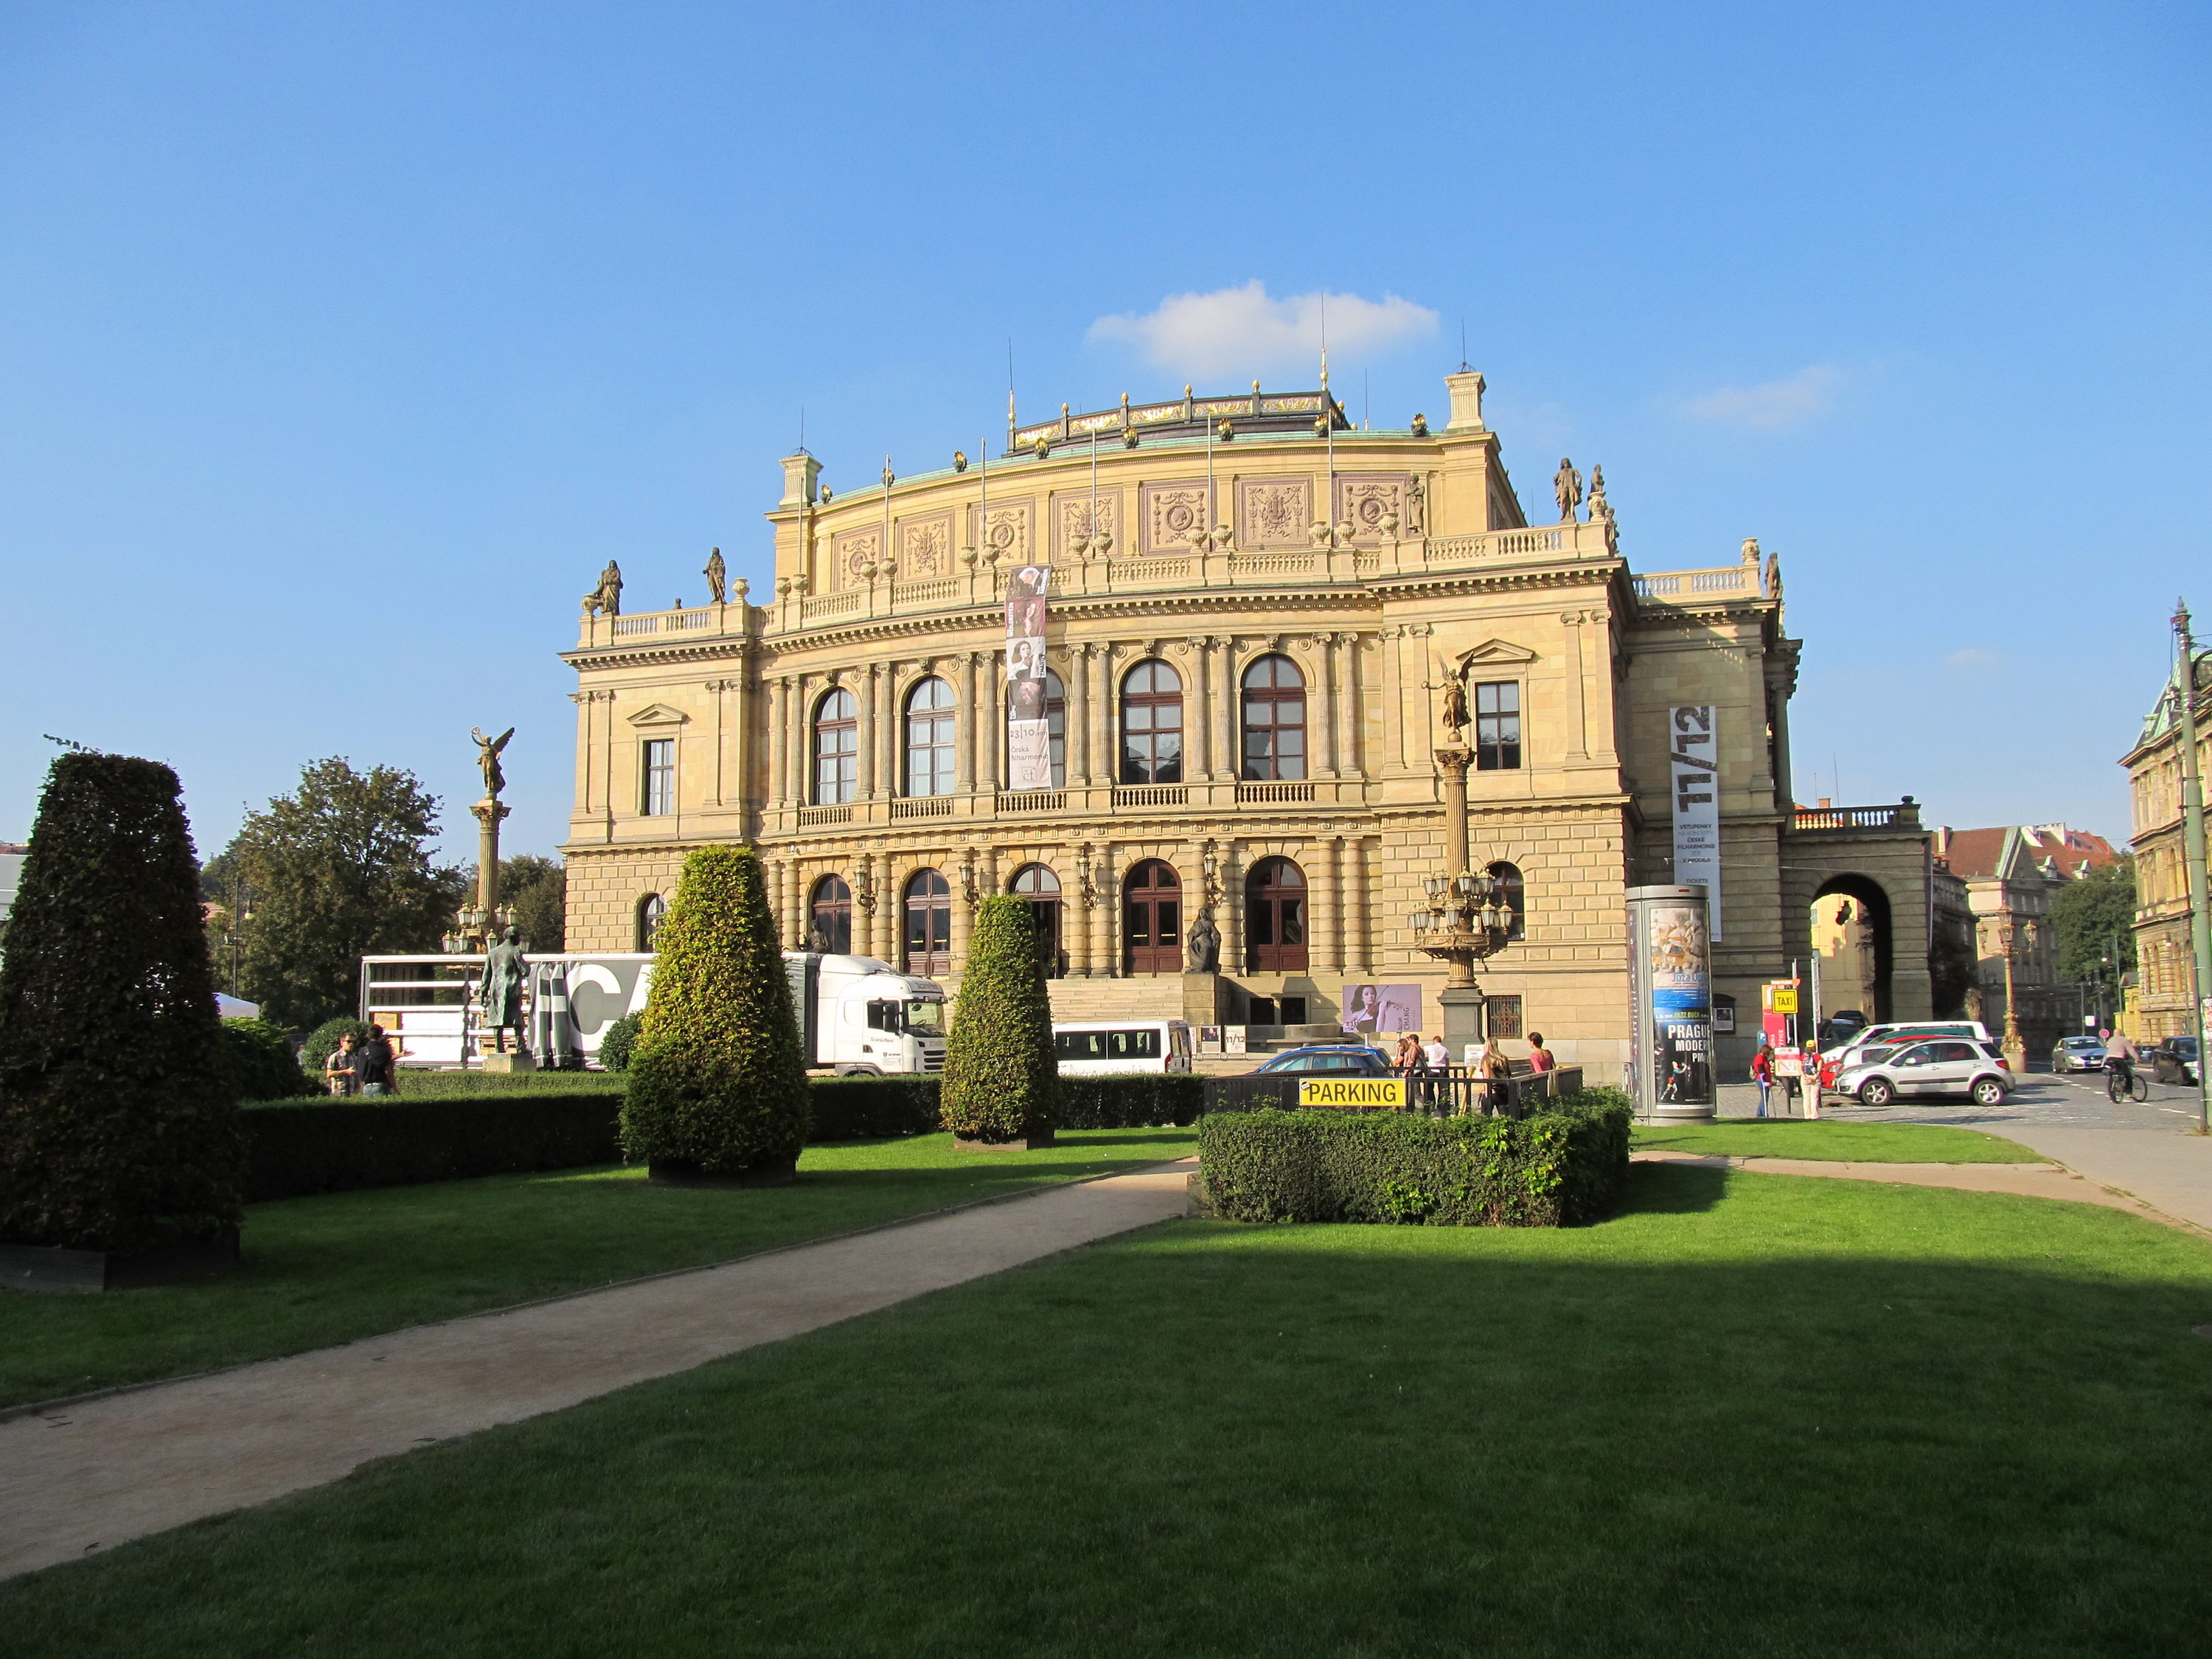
(80, 1477)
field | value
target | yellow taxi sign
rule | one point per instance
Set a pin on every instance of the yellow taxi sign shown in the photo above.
(1371, 1091)
(1784, 999)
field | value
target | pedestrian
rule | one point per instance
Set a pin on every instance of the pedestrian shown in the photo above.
(372, 1065)
(1436, 1061)
(1540, 1057)
(1408, 1057)
(338, 1069)
(1762, 1072)
(1497, 1074)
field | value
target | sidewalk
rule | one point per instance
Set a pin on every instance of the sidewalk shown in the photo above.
(94, 1475)
(2171, 1171)
(2027, 1180)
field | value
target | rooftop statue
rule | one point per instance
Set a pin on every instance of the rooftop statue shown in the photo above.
(717, 575)
(1567, 485)
(488, 758)
(607, 596)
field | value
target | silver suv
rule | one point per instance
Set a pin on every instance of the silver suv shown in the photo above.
(1944, 1066)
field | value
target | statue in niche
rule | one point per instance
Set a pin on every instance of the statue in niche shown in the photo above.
(1567, 485)
(1205, 943)
(501, 994)
(606, 597)
(488, 759)
(718, 575)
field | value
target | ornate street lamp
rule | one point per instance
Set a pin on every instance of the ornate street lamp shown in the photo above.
(2013, 1043)
(1467, 921)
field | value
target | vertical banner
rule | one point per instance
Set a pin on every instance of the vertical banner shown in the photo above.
(1029, 732)
(1670, 981)
(1694, 740)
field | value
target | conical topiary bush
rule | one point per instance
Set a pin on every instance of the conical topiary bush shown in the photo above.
(119, 1109)
(717, 1083)
(1001, 1074)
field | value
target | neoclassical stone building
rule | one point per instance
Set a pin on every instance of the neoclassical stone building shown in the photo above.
(1255, 616)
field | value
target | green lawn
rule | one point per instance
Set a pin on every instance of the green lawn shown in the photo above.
(324, 1270)
(1864, 1142)
(1751, 1414)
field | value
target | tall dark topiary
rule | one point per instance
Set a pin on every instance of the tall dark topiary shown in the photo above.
(717, 1081)
(1001, 1074)
(118, 1110)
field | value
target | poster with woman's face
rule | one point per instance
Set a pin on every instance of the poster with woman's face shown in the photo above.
(1369, 1009)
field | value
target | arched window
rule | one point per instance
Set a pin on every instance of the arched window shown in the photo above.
(1511, 892)
(929, 738)
(651, 911)
(1274, 720)
(1275, 917)
(1151, 723)
(830, 918)
(1151, 915)
(928, 923)
(836, 749)
(1040, 889)
(1055, 719)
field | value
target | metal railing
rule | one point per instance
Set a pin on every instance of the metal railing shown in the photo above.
(1454, 1092)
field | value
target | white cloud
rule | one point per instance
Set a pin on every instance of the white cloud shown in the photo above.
(1795, 398)
(1244, 331)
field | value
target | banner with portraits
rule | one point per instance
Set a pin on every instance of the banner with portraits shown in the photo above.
(1029, 731)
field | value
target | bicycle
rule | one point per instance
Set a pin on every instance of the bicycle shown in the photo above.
(2125, 1081)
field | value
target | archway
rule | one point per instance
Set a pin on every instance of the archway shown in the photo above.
(1852, 935)
(1152, 912)
(1038, 887)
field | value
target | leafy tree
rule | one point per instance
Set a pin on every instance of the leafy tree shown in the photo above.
(537, 890)
(1001, 1072)
(119, 1108)
(1952, 970)
(340, 869)
(619, 1042)
(2093, 916)
(262, 1060)
(716, 1081)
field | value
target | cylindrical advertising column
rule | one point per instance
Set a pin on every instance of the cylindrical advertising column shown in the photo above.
(1671, 1013)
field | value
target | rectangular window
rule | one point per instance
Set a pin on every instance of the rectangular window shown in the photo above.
(660, 777)
(1497, 726)
(1503, 1016)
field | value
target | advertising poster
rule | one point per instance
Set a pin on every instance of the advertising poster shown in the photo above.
(1029, 733)
(1678, 973)
(1369, 1010)
(1694, 740)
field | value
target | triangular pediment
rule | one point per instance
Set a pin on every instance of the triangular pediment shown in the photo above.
(659, 713)
(1496, 653)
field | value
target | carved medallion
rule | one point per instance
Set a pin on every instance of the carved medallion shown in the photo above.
(1170, 511)
(1274, 512)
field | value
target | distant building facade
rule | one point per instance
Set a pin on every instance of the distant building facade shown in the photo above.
(2159, 1006)
(1257, 618)
(2007, 876)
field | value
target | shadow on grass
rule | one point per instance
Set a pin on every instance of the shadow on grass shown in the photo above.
(1875, 1419)
(1671, 1189)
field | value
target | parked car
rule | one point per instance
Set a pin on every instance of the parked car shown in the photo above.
(1840, 1028)
(1338, 1058)
(2078, 1054)
(1949, 1066)
(2174, 1060)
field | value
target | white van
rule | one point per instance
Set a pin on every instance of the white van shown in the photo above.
(1103, 1047)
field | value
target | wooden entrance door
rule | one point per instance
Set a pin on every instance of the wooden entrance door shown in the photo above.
(1152, 918)
(928, 924)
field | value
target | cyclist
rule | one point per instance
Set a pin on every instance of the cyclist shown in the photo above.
(2120, 1057)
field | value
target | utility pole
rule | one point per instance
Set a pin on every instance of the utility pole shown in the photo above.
(2192, 832)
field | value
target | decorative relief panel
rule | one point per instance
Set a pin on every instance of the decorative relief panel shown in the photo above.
(1007, 532)
(1169, 512)
(1274, 512)
(1367, 499)
(854, 549)
(1071, 517)
(924, 547)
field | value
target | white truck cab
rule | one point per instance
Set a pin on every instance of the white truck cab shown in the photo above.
(861, 1016)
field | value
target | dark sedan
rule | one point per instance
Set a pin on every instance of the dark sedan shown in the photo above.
(1336, 1059)
(2174, 1060)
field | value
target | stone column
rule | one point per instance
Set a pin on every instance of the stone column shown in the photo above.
(1106, 919)
(1393, 709)
(993, 713)
(1358, 909)
(1328, 721)
(966, 889)
(1105, 761)
(971, 719)
(1578, 721)
(1351, 740)
(1232, 921)
(1075, 912)
(1197, 718)
(1229, 723)
(583, 701)
(870, 681)
(1076, 684)
(1326, 885)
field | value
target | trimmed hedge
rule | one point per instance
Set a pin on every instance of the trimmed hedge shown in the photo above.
(1556, 1168)
(1001, 1071)
(619, 1042)
(866, 1108)
(337, 1145)
(1138, 1100)
(261, 1059)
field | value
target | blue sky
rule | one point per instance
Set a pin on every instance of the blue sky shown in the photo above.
(341, 346)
